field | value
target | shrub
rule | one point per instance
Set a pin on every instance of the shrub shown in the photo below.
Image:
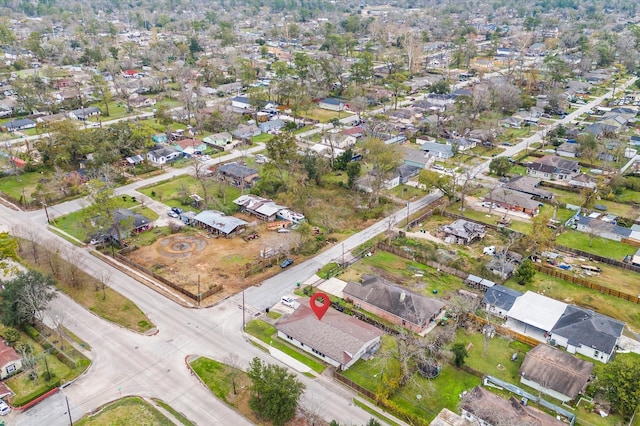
(31, 331)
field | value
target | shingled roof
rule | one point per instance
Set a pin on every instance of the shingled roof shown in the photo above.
(585, 327)
(412, 307)
(557, 370)
(337, 336)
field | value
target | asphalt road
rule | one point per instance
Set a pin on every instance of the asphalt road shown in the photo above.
(126, 363)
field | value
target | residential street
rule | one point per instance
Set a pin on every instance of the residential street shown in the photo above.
(125, 363)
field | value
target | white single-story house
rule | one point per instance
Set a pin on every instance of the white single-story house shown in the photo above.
(163, 155)
(241, 102)
(332, 104)
(339, 339)
(10, 361)
(218, 139)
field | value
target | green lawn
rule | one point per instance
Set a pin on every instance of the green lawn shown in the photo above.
(267, 333)
(263, 137)
(117, 109)
(181, 418)
(215, 375)
(78, 223)
(127, 411)
(406, 192)
(170, 192)
(421, 397)
(27, 389)
(600, 246)
(14, 185)
(324, 115)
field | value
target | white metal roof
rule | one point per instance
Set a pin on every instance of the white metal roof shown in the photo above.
(537, 310)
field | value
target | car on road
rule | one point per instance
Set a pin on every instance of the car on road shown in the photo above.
(288, 301)
(173, 214)
(286, 263)
(437, 167)
(506, 144)
(4, 408)
(177, 210)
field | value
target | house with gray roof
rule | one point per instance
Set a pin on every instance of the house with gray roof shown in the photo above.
(555, 372)
(600, 228)
(332, 104)
(83, 113)
(587, 332)
(262, 208)
(435, 149)
(501, 267)
(246, 131)
(552, 167)
(271, 125)
(163, 154)
(568, 149)
(218, 223)
(498, 299)
(395, 304)
(415, 157)
(238, 175)
(339, 339)
(530, 186)
(464, 232)
(19, 124)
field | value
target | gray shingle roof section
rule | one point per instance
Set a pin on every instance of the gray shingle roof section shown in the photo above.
(396, 300)
(501, 297)
(237, 170)
(588, 328)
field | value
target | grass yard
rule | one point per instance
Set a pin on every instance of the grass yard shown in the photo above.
(25, 388)
(600, 246)
(179, 416)
(218, 378)
(127, 411)
(407, 193)
(87, 291)
(403, 271)
(263, 137)
(324, 115)
(170, 192)
(117, 109)
(497, 361)
(422, 398)
(15, 185)
(268, 334)
(77, 223)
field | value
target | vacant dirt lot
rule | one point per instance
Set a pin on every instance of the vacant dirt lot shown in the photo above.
(185, 258)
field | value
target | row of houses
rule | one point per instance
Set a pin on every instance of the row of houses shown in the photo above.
(81, 114)
(547, 320)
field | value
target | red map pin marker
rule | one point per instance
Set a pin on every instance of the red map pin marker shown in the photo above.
(319, 310)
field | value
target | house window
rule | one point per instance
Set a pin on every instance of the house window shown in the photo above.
(11, 368)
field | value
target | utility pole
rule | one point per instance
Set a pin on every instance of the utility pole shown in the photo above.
(199, 294)
(46, 212)
(68, 410)
(243, 320)
(407, 215)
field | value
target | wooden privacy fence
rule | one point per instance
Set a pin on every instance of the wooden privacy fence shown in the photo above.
(211, 291)
(602, 259)
(353, 385)
(421, 258)
(503, 331)
(586, 283)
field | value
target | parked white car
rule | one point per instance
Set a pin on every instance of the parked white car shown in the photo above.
(4, 408)
(491, 250)
(288, 301)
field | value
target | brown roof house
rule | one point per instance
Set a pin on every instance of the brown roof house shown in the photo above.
(555, 372)
(513, 200)
(395, 304)
(338, 339)
(485, 408)
(10, 361)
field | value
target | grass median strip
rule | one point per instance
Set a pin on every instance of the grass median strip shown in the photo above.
(266, 333)
(179, 416)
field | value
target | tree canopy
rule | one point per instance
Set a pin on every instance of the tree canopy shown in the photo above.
(620, 380)
(274, 391)
(25, 298)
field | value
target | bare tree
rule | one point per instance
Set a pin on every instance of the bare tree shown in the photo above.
(233, 361)
(103, 280)
(203, 174)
